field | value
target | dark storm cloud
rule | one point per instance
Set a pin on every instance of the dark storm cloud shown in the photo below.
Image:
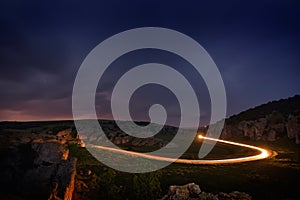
(255, 44)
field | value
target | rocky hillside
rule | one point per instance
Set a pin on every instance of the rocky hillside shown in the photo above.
(269, 121)
(115, 135)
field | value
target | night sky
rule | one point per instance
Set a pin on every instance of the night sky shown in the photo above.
(255, 44)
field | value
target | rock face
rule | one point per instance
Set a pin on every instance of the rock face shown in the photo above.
(62, 136)
(269, 121)
(37, 167)
(269, 128)
(293, 128)
(192, 191)
(65, 178)
(49, 152)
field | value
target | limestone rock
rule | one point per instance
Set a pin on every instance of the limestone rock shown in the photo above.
(184, 192)
(192, 191)
(36, 166)
(49, 152)
(269, 128)
(239, 195)
(293, 128)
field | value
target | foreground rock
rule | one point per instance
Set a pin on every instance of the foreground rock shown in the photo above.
(36, 166)
(192, 191)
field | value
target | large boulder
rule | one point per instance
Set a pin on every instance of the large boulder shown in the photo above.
(184, 192)
(34, 168)
(192, 191)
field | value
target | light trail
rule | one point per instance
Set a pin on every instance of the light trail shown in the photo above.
(263, 154)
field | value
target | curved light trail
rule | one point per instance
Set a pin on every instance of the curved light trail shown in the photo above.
(262, 155)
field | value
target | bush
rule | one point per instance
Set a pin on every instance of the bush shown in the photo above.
(146, 186)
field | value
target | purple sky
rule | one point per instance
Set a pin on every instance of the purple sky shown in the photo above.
(255, 44)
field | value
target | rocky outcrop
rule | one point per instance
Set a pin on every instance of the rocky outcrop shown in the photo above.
(65, 178)
(184, 192)
(192, 191)
(63, 135)
(269, 128)
(49, 152)
(269, 121)
(37, 167)
(293, 128)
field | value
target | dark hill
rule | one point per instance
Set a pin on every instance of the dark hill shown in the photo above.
(285, 107)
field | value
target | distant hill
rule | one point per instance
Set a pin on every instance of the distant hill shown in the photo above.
(285, 107)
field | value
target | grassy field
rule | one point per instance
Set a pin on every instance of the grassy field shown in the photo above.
(272, 178)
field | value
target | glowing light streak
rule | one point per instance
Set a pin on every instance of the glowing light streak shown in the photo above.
(262, 155)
